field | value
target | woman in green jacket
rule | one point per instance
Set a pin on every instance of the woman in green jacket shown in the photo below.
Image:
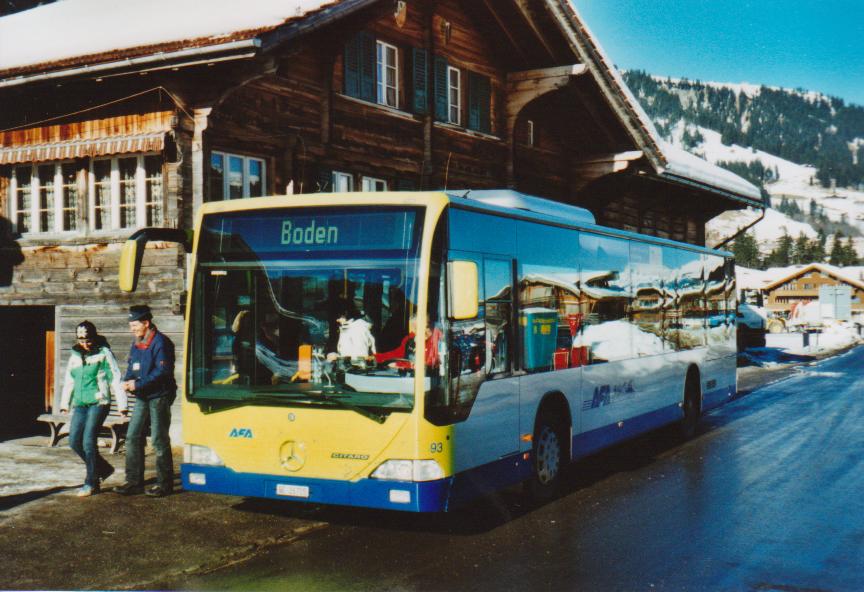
(92, 375)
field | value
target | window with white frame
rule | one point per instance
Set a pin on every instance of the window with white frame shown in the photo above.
(44, 197)
(69, 189)
(128, 172)
(388, 68)
(373, 184)
(126, 192)
(121, 192)
(100, 195)
(454, 96)
(342, 182)
(46, 204)
(233, 176)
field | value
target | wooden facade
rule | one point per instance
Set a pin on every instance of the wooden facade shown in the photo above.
(803, 286)
(531, 105)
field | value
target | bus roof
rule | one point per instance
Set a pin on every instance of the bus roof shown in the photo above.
(509, 202)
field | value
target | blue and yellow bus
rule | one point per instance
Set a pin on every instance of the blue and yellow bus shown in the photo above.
(414, 351)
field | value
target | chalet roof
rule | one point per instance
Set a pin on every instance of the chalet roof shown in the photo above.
(849, 275)
(75, 32)
(76, 36)
(671, 163)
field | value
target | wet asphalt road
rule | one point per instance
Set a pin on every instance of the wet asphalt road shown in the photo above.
(769, 496)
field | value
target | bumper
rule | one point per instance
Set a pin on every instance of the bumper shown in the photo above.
(430, 496)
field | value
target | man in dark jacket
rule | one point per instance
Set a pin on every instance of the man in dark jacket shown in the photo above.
(150, 377)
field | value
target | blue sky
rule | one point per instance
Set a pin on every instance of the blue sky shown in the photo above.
(812, 44)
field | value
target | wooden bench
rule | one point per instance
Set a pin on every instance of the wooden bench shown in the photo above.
(114, 423)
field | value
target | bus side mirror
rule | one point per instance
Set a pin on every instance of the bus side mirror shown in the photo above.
(130, 263)
(464, 289)
(133, 252)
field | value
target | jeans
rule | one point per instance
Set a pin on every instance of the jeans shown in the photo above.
(158, 411)
(83, 439)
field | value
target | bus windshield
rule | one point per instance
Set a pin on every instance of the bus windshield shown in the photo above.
(306, 307)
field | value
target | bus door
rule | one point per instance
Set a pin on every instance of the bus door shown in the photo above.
(481, 370)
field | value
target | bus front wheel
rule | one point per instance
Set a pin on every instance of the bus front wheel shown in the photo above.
(547, 461)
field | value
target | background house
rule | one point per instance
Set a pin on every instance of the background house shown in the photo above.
(790, 288)
(117, 116)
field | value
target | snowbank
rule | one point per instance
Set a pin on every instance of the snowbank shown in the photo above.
(788, 348)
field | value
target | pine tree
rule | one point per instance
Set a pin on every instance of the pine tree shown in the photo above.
(838, 255)
(850, 254)
(746, 251)
(781, 256)
(801, 250)
(817, 249)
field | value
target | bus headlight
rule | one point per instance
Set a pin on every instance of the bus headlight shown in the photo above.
(408, 470)
(201, 455)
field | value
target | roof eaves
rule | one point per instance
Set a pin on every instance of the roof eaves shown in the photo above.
(613, 87)
(636, 120)
(311, 22)
(819, 267)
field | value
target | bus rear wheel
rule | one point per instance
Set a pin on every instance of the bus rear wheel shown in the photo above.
(547, 461)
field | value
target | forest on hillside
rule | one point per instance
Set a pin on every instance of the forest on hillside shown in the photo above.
(801, 127)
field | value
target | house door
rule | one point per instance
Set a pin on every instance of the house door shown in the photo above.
(26, 359)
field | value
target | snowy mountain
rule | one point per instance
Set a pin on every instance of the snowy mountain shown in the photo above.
(707, 118)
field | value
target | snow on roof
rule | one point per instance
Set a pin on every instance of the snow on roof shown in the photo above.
(688, 166)
(74, 32)
(777, 275)
(679, 163)
(66, 32)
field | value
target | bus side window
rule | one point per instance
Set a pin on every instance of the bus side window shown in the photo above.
(498, 283)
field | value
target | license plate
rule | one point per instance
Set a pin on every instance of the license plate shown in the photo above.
(292, 490)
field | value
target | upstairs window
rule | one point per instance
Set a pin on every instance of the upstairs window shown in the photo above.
(233, 176)
(387, 73)
(449, 82)
(454, 96)
(44, 198)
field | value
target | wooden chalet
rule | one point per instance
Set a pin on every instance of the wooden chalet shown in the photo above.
(113, 120)
(802, 285)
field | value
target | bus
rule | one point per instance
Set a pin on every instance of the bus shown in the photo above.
(418, 350)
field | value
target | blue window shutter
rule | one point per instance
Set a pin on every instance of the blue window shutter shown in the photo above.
(479, 103)
(351, 64)
(421, 81)
(368, 66)
(441, 90)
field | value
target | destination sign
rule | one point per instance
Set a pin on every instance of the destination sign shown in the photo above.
(267, 233)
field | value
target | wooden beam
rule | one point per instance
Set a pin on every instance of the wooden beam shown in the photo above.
(201, 118)
(590, 169)
(539, 32)
(506, 31)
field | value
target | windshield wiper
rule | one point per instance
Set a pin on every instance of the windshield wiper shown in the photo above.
(333, 399)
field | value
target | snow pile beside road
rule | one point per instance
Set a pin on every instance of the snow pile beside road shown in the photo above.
(787, 348)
